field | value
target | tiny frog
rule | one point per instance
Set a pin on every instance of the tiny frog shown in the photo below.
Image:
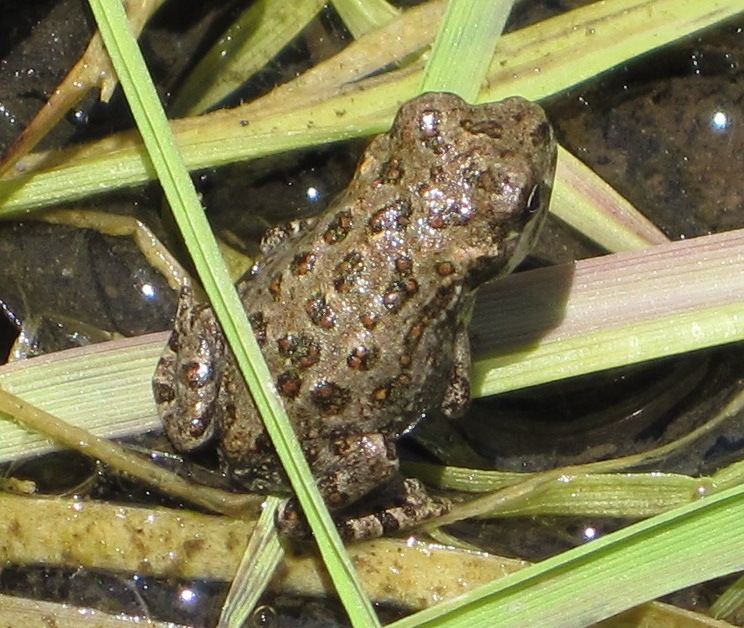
(362, 313)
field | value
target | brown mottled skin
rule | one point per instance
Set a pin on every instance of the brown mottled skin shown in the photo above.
(362, 314)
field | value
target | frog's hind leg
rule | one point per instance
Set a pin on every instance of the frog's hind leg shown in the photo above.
(360, 474)
(407, 505)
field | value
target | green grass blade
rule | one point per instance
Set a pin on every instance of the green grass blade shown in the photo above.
(179, 190)
(581, 44)
(363, 16)
(533, 328)
(370, 106)
(104, 390)
(642, 562)
(261, 557)
(623, 495)
(574, 319)
(464, 47)
(254, 39)
(730, 603)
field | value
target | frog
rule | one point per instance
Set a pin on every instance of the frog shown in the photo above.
(362, 313)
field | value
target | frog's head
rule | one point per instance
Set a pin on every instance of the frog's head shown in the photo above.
(514, 157)
(491, 169)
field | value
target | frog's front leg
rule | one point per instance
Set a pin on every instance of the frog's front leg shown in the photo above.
(279, 235)
(188, 378)
(456, 398)
(349, 469)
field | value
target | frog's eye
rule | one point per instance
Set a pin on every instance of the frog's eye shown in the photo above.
(533, 200)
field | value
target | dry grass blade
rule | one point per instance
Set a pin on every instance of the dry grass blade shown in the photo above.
(113, 454)
(104, 388)
(166, 542)
(16, 611)
(92, 70)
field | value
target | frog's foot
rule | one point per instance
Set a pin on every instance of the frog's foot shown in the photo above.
(416, 507)
(412, 507)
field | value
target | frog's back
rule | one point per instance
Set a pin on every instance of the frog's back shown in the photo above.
(357, 316)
